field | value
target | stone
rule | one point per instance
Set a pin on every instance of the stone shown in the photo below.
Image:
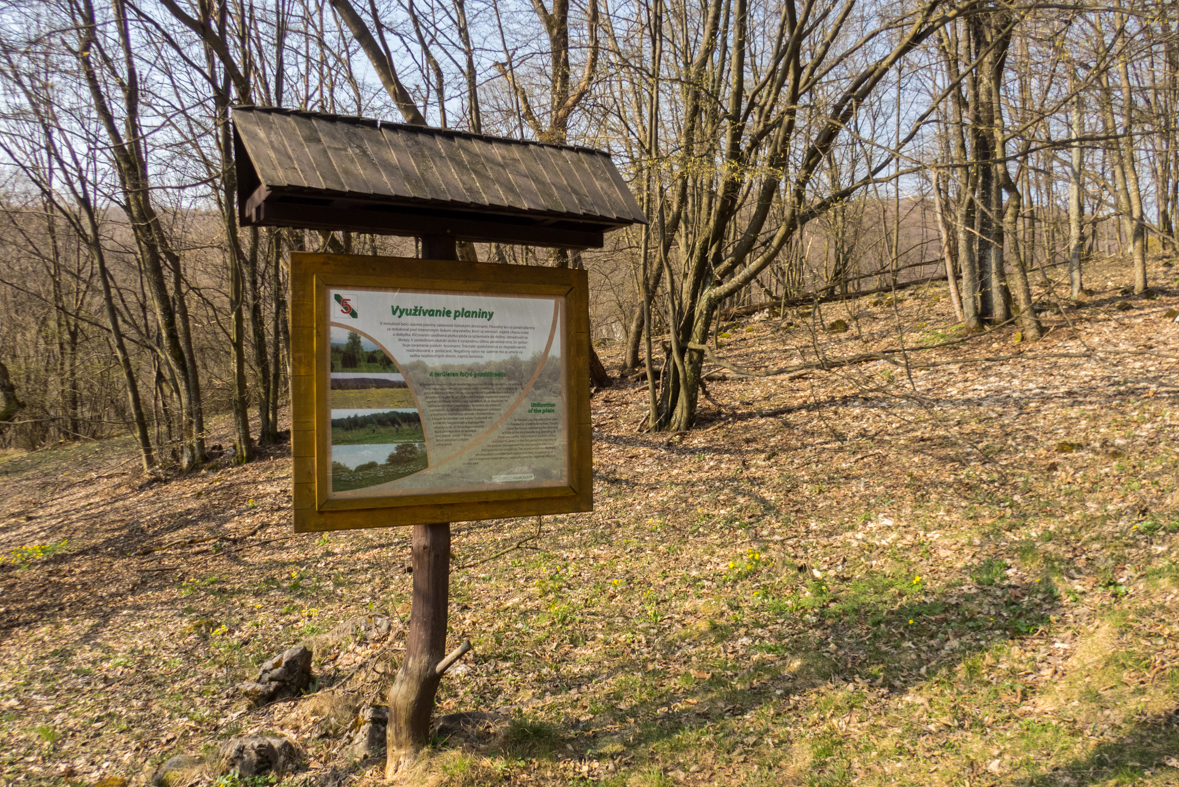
(381, 626)
(286, 675)
(1068, 447)
(1171, 314)
(837, 326)
(1123, 306)
(255, 692)
(293, 666)
(178, 771)
(369, 740)
(257, 755)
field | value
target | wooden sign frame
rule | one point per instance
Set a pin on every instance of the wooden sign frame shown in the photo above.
(314, 276)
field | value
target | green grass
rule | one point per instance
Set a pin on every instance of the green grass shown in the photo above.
(373, 473)
(378, 436)
(22, 557)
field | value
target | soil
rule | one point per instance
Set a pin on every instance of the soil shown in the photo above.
(954, 563)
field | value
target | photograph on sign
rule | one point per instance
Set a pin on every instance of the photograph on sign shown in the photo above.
(430, 391)
(444, 391)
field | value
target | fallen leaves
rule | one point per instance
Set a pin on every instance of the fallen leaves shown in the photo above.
(838, 570)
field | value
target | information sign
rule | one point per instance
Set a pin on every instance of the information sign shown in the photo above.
(435, 391)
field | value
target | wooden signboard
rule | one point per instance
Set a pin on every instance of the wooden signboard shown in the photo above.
(429, 391)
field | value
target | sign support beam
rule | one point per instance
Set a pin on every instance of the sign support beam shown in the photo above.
(411, 698)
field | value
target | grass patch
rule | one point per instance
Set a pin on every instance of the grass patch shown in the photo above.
(385, 434)
(23, 557)
(529, 737)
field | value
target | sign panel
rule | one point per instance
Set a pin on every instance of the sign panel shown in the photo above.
(429, 391)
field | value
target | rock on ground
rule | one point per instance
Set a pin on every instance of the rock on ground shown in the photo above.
(369, 740)
(285, 675)
(256, 755)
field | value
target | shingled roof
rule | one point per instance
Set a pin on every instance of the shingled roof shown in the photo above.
(304, 169)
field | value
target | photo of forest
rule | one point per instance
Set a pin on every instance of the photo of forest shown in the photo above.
(351, 352)
(358, 467)
(377, 427)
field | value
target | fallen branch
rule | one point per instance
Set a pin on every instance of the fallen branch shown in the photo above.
(827, 296)
(268, 541)
(887, 356)
(454, 656)
(879, 355)
(518, 545)
(188, 542)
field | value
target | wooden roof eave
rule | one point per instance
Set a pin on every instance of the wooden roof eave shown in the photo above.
(334, 172)
(407, 221)
(353, 202)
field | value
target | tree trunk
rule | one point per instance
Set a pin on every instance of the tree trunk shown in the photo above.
(949, 252)
(278, 327)
(242, 442)
(1075, 207)
(634, 335)
(1021, 290)
(964, 209)
(967, 256)
(127, 151)
(1133, 188)
(267, 429)
(10, 405)
(1118, 164)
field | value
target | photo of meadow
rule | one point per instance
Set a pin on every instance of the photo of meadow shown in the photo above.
(375, 391)
(376, 427)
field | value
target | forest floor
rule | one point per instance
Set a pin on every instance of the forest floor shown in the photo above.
(957, 570)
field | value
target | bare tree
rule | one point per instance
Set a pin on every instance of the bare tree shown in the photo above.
(156, 254)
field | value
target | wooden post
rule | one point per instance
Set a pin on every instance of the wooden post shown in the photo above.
(439, 247)
(411, 698)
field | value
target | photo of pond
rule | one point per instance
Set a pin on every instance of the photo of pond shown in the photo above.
(359, 466)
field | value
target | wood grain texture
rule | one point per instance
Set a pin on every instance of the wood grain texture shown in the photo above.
(339, 149)
(477, 165)
(501, 175)
(288, 166)
(325, 170)
(513, 159)
(546, 188)
(577, 380)
(304, 155)
(568, 188)
(260, 151)
(284, 125)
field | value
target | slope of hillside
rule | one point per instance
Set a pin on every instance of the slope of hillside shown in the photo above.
(950, 564)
